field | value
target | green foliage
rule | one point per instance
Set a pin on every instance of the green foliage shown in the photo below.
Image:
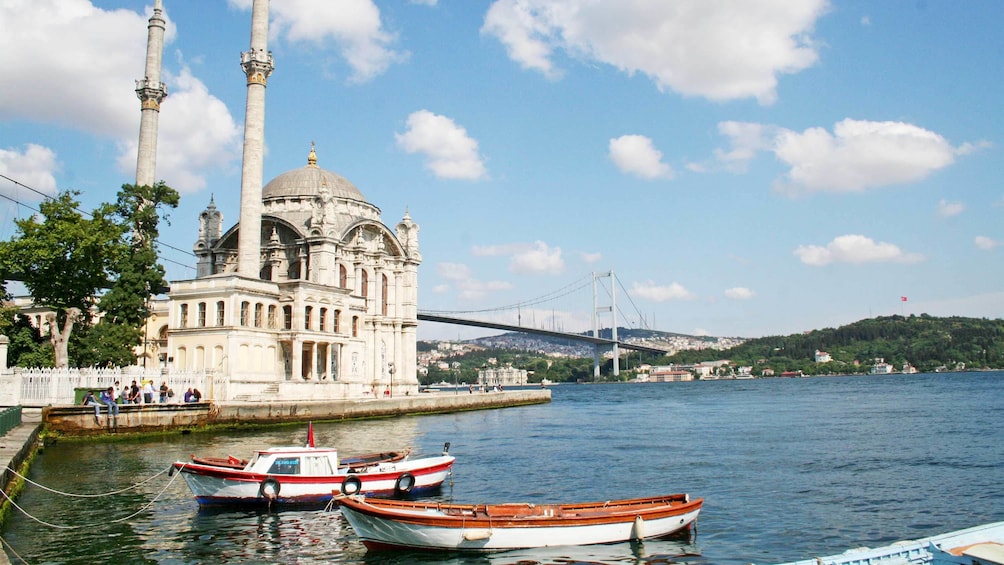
(27, 348)
(64, 258)
(928, 343)
(67, 260)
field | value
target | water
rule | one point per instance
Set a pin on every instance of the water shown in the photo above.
(789, 469)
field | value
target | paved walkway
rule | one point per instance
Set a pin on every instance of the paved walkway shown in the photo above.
(13, 443)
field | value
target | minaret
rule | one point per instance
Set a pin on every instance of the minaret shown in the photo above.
(150, 92)
(257, 64)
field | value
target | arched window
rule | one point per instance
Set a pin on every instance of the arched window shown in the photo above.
(337, 321)
(364, 280)
(202, 315)
(322, 320)
(343, 276)
(183, 316)
(220, 312)
(272, 322)
(307, 314)
(287, 317)
(355, 326)
(258, 308)
(245, 312)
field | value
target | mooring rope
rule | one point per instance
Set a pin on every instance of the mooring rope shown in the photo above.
(11, 549)
(120, 491)
(105, 522)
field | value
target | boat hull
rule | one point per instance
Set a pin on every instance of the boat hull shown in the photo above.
(424, 526)
(215, 486)
(980, 545)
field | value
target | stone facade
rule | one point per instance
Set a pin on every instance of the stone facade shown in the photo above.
(335, 302)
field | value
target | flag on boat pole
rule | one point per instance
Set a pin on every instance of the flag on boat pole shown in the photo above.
(310, 434)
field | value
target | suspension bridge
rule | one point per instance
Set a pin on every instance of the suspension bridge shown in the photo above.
(600, 344)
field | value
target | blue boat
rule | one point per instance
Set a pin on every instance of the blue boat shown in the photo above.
(980, 545)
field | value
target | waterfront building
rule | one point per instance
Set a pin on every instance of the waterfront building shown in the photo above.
(309, 295)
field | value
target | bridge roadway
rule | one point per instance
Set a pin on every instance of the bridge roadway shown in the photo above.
(598, 341)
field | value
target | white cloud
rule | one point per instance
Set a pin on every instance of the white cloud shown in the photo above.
(590, 257)
(948, 209)
(746, 139)
(985, 243)
(661, 293)
(196, 134)
(739, 293)
(854, 249)
(718, 49)
(859, 155)
(536, 257)
(32, 167)
(635, 155)
(450, 152)
(353, 25)
(467, 287)
(56, 50)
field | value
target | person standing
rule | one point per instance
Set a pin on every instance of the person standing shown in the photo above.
(163, 392)
(148, 392)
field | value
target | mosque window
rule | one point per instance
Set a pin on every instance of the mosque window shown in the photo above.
(287, 317)
(322, 319)
(220, 313)
(337, 321)
(343, 276)
(245, 312)
(355, 326)
(364, 280)
(307, 315)
(201, 322)
(258, 308)
(273, 323)
(183, 322)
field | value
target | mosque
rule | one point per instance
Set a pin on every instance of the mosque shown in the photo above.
(309, 295)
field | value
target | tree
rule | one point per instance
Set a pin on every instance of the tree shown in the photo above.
(63, 260)
(105, 264)
(126, 305)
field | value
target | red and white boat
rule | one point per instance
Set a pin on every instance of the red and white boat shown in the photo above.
(308, 475)
(426, 525)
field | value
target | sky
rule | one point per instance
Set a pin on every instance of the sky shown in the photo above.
(752, 168)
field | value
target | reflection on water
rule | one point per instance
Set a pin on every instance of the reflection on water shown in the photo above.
(788, 468)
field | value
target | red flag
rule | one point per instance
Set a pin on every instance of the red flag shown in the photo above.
(903, 298)
(310, 434)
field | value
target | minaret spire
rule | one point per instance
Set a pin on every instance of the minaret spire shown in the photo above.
(257, 64)
(150, 92)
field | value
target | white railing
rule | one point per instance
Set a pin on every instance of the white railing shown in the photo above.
(45, 387)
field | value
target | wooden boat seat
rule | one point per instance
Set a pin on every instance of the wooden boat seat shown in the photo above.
(992, 552)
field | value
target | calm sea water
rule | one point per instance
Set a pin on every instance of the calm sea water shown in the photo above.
(788, 468)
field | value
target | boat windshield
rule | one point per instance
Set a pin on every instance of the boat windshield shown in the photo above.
(285, 466)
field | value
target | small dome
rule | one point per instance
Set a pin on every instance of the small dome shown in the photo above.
(308, 180)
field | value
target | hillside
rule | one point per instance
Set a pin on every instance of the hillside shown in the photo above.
(928, 343)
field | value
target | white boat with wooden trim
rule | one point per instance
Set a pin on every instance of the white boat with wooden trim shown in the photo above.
(428, 525)
(309, 475)
(980, 545)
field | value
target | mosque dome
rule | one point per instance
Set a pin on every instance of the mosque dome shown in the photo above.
(309, 181)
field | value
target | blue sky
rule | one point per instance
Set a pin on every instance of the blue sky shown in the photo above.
(744, 168)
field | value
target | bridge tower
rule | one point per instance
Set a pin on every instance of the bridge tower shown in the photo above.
(597, 309)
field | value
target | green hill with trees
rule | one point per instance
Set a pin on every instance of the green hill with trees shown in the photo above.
(926, 342)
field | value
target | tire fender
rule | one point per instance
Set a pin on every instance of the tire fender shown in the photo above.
(352, 485)
(269, 488)
(404, 483)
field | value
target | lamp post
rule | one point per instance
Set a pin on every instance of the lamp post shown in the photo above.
(456, 373)
(390, 369)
